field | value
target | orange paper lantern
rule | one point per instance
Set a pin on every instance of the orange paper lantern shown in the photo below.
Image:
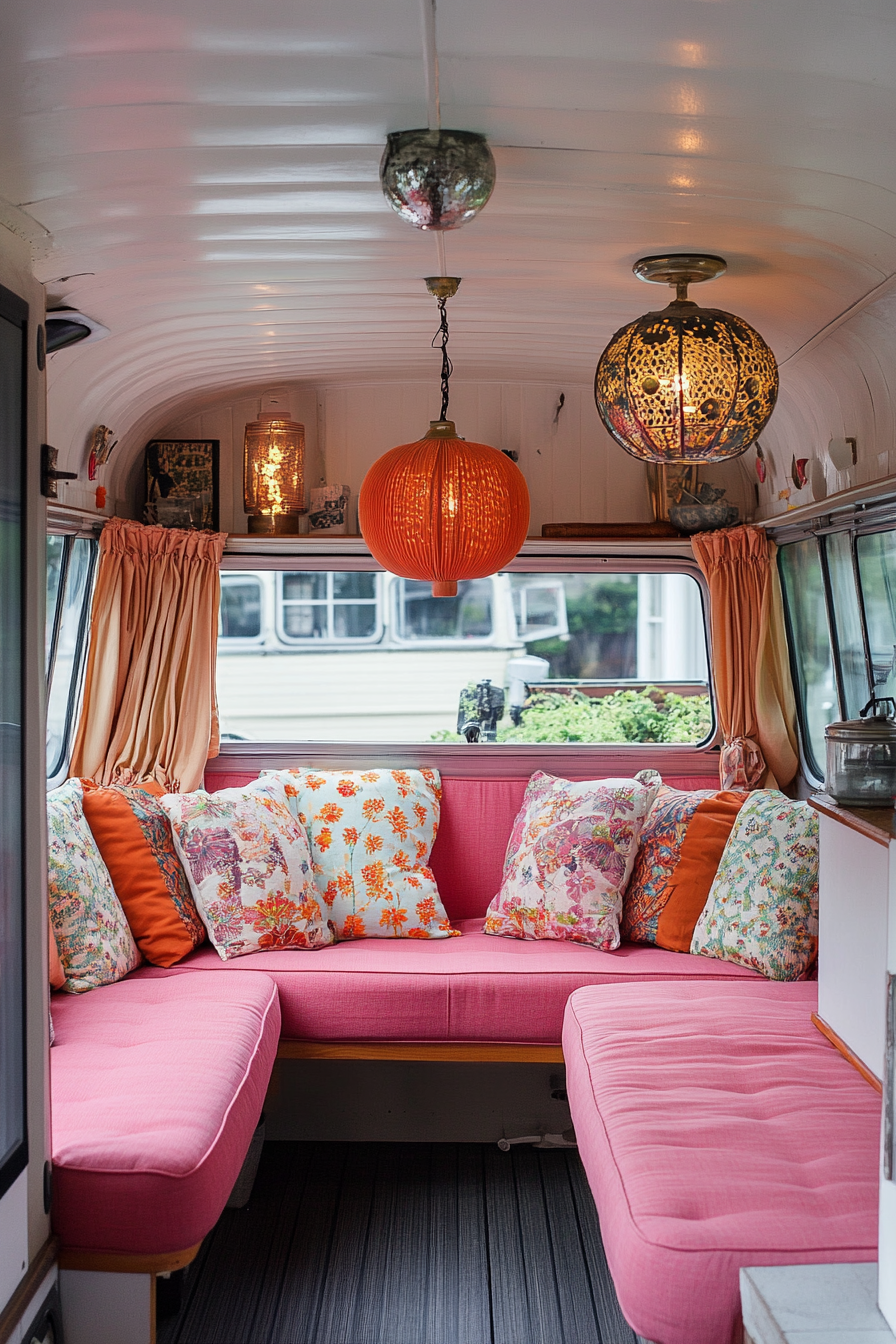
(443, 509)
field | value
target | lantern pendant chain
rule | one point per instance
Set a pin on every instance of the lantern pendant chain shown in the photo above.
(447, 367)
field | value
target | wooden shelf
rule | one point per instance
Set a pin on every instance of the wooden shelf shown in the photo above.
(877, 823)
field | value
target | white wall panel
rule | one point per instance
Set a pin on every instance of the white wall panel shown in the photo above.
(574, 471)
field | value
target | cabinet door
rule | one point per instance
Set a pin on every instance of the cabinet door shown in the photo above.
(13, 1144)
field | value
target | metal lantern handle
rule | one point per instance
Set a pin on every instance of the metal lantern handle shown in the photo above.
(883, 700)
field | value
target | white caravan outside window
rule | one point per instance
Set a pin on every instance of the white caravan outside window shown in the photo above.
(362, 656)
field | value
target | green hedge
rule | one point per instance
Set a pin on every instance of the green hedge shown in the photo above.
(650, 715)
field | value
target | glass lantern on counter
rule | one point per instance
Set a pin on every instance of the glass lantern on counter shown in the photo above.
(861, 757)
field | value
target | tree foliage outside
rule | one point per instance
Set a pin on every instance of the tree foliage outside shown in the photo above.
(650, 715)
(602, 611)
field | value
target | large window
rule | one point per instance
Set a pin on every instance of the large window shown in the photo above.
(840, 596)
(362, 656)
(71, 562)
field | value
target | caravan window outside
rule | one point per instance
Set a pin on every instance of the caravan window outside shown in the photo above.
(362, 656)
(840, 600)
(71, 565)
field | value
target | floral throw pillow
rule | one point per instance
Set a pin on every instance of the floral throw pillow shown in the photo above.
(371, 833)
(762, 909)
(92, 936)
(247, 861)
(659, 851)
(569, 857)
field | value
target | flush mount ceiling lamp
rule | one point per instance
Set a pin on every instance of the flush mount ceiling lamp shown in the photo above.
(67, 326)
(442, 509)
(685, 384)
(437, 179)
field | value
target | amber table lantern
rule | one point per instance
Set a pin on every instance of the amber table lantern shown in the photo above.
(274, 474)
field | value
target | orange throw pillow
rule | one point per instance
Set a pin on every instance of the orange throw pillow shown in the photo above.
(57, 974)
(133, 834)
(701, 852)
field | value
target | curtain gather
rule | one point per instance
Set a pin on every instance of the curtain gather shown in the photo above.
(751, 673)
(149, 708)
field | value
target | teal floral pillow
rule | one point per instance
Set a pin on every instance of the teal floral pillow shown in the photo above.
(762, 908)
(92, 934)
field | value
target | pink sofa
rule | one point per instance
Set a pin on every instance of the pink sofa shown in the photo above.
(658, 1078)
(474, 989)
(718, 1129)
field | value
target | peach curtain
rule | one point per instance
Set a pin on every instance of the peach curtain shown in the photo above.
(751, 673)
(149, 707)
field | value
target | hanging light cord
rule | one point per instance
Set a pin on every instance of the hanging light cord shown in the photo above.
(441, 337)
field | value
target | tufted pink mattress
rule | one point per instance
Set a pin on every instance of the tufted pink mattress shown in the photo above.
(718, 1128)
(475, 988)
(156, 1085)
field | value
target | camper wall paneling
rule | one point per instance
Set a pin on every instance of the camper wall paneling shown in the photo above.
(574, 471)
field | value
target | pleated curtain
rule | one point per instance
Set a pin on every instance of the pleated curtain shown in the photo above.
(149, 709)
(750, 668)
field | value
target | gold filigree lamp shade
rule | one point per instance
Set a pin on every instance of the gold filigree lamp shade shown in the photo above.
(274, 474)
(685, 384)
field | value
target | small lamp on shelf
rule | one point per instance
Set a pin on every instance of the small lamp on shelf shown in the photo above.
(274, 474)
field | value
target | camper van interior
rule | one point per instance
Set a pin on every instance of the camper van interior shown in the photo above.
(447, 672)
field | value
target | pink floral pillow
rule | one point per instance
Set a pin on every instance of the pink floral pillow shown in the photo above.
(249, 869)
(569, 858)
(371, 832)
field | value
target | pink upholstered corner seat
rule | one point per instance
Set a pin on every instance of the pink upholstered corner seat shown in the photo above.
(474, 988)
(156, 1086)
(718, 1129)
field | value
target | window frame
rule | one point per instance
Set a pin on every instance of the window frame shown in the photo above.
(82, 638)
(398, 600)
(536, 556)
(237, 642)
(856, 521)
(330, 602)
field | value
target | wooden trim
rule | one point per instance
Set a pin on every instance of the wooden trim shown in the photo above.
(37, 1271)
(875, 823)
(465, 761)
(105, 1262)
(456, 1052)
(849, 1055)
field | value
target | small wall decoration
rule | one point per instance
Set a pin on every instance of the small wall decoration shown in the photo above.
(798, 471)
(101, 446)
(761, 468)
(182, 483)
(329, 509)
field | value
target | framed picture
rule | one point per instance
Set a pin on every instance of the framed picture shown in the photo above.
(182, 483)
(675, 483)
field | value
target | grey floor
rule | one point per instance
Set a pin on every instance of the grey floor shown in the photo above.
(400, 1243)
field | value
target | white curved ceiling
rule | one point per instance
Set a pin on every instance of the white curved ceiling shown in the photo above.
(208, 172)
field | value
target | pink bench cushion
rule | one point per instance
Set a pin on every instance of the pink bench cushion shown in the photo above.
(474, 988)
(476, 821)
(156, 1086)
(718, 1128)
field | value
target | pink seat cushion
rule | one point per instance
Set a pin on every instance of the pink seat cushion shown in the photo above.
(477, 817)
(157, 1085)
(474, 988)
(718, 1128)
